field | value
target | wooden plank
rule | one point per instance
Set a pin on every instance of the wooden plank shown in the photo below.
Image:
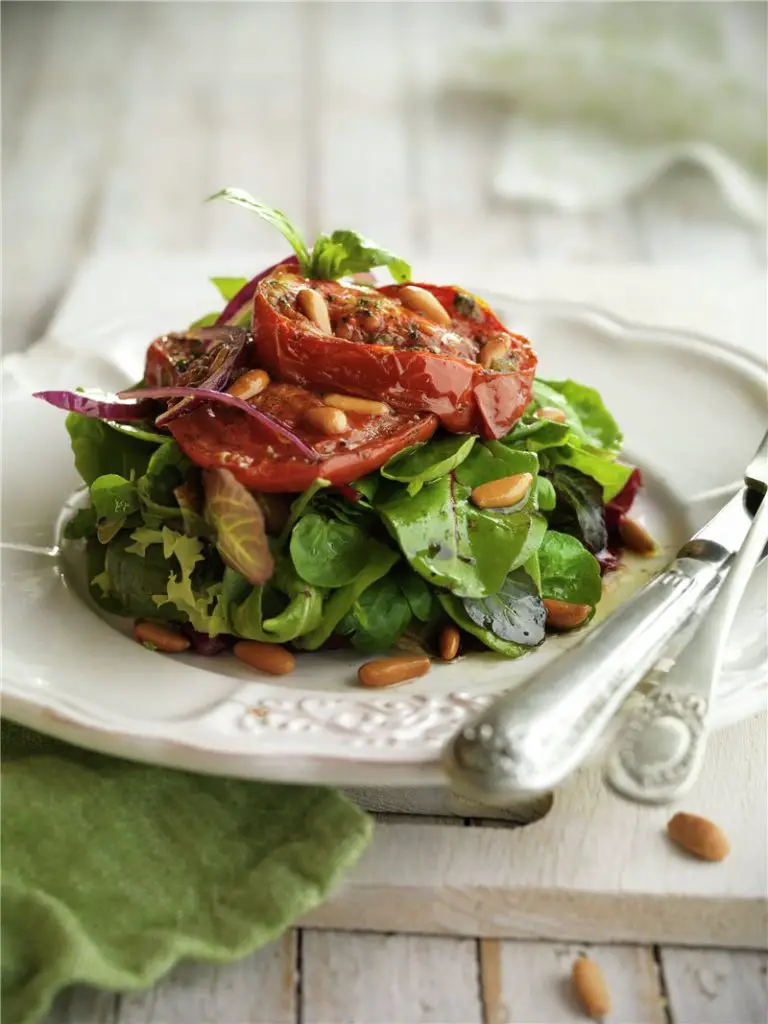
(594, 869)
(53, 180)
(361, 173)
(529, 983)
(82, 1005)
(261, 989)
(256, 134)
(382, 979)
(716, 986)
(454, 141)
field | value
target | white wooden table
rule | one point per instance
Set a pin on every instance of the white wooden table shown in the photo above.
(117, 119)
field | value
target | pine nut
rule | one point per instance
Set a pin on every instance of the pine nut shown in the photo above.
(327, 420)
(249, 384)
(699, 836)
(270, 658)
(448, 643)
(636, 537)
(389, 671)
(547, 412)
(164, 639)
(362, 405)
(590, 987)
(424, 302)
(492, 351)
(564, 615)
(315, 308)
(502, 493)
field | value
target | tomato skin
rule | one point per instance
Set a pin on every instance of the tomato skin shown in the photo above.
(223, 437)
(431, 379)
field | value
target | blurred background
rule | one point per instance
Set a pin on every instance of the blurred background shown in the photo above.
(482, 131)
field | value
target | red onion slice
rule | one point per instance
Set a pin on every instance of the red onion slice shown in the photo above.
(217, 377)
(246, 293)
(226, 399)
(101, 406)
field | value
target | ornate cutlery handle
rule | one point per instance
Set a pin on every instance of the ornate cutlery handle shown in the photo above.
(530, 739)
(659, 750)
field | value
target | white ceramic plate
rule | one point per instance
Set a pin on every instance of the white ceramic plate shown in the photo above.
(692, 412)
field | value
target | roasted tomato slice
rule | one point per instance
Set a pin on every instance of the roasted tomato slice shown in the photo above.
(225, 437)
(187, 357)
(383, 350)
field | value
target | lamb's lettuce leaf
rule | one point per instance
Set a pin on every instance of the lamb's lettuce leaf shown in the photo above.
(379, 616)
(341, 600)
(327, 552)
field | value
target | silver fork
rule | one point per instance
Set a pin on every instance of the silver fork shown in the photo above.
(529, 740)
(659, 751)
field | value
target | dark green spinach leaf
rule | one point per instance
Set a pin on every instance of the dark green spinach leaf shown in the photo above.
(579, 510)
(568, 571)
(514, 614)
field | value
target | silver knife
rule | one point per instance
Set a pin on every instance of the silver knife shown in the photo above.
(531, 739)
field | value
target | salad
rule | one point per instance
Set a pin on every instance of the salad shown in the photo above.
(329, 461)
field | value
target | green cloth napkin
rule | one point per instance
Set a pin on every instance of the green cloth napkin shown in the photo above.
(113, 871)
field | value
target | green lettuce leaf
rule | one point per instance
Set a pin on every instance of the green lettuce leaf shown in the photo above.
(82, 524)
(114, 497)
(229, 286)
(452, 543)
(546, 498)
(304, 610)
(584, 408)
(611, 475)
(492, 461)
(205, 321)
(421, 464)
(417, 592)
(100, 450)
(135, 579)
(568, 571)
(346, 252)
